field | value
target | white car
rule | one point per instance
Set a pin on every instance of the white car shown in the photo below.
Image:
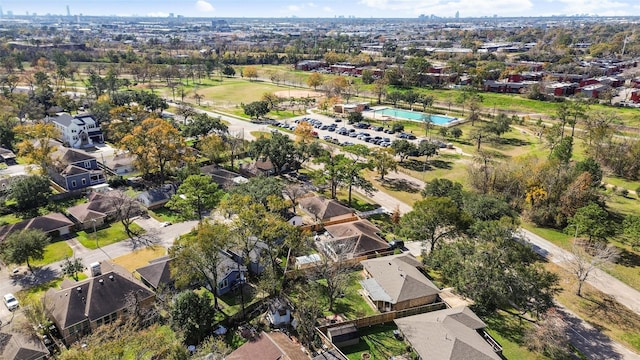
(11, 302)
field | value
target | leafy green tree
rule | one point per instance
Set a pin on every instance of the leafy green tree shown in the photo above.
(397, 127)
(456, 132)
(350, 171)
(593, 221)
(485, 207)
(30, 192)
(427, 149)
(500, 125)
(592, 167)
(413, 69)
(441, 187)
(72, 267)
(7, 134)
(256, 109)
(193, 314)
(563, 151)
(279, 149)
(21, 246)
(434, 219)
(197, 256)
(495, 271)
(403, 148)
(355, 117)
(394, 97)
(195, 195)
(631, 229)
(202, 125)
(383, 161)
(228, 71)
(259, 189)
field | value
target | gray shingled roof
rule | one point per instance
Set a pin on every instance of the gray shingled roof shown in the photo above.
(398, 277)
(360, 237)
(46, 223)
(93, 298)
(448, 334)
(323, 208)
(156, 273)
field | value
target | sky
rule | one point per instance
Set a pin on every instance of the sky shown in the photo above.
(325, 8)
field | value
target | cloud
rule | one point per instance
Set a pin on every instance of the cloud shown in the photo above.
(449, 7)
(294, 8)
(600, 7)
(327, 9)
(312, 5)
(204, 6)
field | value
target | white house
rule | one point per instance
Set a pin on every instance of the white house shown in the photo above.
(78, 131)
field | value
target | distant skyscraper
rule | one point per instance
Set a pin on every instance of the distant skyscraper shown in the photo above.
(68, 11)
(457, 14)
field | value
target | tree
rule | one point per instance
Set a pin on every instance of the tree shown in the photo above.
(473, 103)
(563, 151)
(72, 267)
(7, 133)
(355, 117)
(250, 72)
(394, 97)
(336, 275)
(592, 167)
(456, 132)
(403, 148)
(314, 80)
(495, 271)
(192, 314)
(631, 229)
(432, 220)
(293, 191)
(126, 210)
(195, 195)
(383, 161)
(198, 258)
(256, 109)
(213, 147)
(591, 220)
(500, 125)
(202, 125)
(36, 145)
(304, 132)
(24, 245)
(427, 149)
(582, 262)
(350, 169)
(259, 188)
(549, 336)
(279, 149)
(157, 145)
(309, 309)
(380, 88)
(441, 187)
(228, 71)
(30, 192)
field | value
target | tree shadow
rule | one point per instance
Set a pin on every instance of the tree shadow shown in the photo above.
(400, 185)
(412, 164)
(512, 142)
(441, 164)
(39, 276)
(628, 258)
(589, 340)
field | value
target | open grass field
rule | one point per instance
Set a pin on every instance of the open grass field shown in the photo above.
(235, 91)
(140, 258)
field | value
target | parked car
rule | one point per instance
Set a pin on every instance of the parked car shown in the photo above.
(396, 244)
(11, 302)
(337, 120)
(165, 224)
(327, 138)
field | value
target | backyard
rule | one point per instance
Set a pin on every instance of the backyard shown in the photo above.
(379, 342)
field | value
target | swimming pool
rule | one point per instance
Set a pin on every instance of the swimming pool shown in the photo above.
(415, 116)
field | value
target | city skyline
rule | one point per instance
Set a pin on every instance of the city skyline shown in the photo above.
(327, 8)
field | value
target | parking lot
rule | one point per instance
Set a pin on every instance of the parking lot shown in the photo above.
(339, 132)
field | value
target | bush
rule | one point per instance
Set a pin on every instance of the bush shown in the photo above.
(397, 127)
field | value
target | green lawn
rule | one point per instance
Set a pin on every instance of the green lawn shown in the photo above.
(508, 330)
(623, 183)
(378, 341)
(234, 91)
(9, 219)
(105, 236)
(54, 252)
(352, 305)
(163, 214)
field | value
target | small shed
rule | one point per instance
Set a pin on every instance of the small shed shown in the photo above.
(307, 261)
(279, 313)
(344, 335)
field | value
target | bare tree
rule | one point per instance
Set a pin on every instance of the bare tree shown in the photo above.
(126, 209)
(549, 336)
(582, 261)
(336, 273)
(294, 191)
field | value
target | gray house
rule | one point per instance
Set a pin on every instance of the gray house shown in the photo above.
(157, 197)
(74, 170)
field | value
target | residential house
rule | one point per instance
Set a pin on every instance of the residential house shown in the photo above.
(75, 170)
(323, 209)
(54, 225)
(352, 239)
(260, 167)
(97, 212)
(394, 283)
(635, 96)
(449, 334)
(256, 263)
(157, 274)
(7, 156)
(157, 197)
(120, 163)
(81, 307)
(269, 346)
(224, 178)
(278, 312)
(78, 131)
(19, 346)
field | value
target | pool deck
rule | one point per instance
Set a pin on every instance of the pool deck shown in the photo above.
(371, 114)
